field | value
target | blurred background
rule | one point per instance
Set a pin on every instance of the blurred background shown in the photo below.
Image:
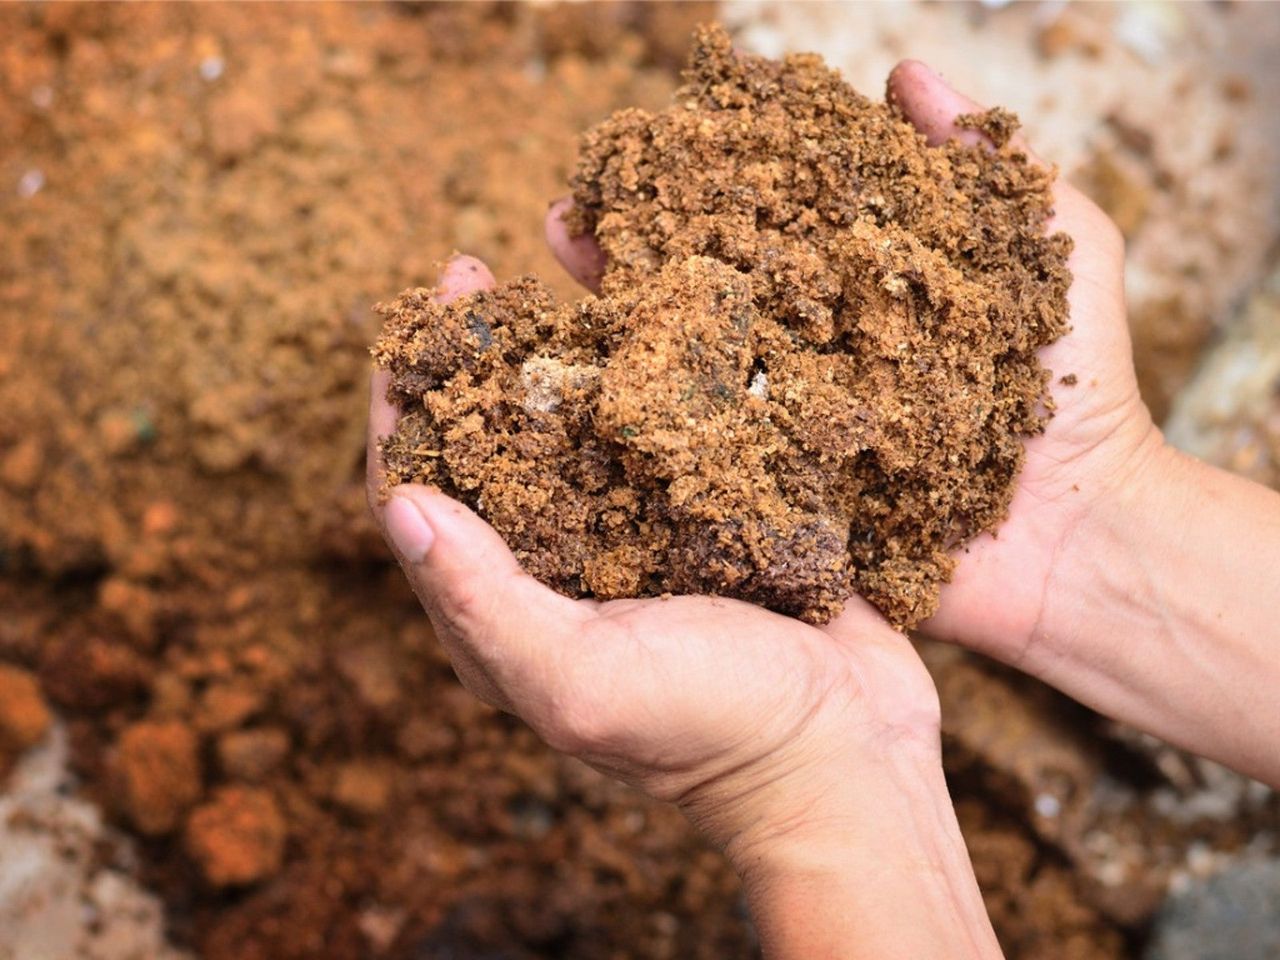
(225, 728)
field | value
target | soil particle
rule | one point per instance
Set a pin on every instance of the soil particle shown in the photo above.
(237, 837)
(363, 788)
(24, 716)
(21, 465)
(809, 372)
(157, 767)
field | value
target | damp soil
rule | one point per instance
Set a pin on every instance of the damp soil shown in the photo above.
(809, 371)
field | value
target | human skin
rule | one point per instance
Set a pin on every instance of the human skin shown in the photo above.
(811, 756)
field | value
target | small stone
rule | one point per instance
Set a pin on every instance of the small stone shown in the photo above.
(1048, 806)
(160, 518)
(373, 672)
(24, 716)
(362, 788)
(30, 183)
(211, 68)
(238, 837)
(227, 705)
(1233, 915)
(118, 432)
(157, 766)
(132, 606)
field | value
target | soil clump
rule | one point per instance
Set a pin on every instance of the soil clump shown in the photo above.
(809, 371)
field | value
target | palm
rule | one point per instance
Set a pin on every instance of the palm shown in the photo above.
(683, 692)
(1096, 434)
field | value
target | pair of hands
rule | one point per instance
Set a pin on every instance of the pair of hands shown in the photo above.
(774, 736)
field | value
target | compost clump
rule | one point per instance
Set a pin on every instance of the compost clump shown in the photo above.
(809, 371)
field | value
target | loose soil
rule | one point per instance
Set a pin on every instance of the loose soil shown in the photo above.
(186, 564)
(809, 372)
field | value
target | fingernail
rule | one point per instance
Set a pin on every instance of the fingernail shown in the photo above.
(408, 529)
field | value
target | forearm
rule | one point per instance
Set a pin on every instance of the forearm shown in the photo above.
(889, 879)
(1161, 612)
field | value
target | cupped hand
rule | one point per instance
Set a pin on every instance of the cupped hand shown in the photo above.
(1100, 438)
(756, 725)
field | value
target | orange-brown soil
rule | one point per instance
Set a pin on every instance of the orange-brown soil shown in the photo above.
(809, 372)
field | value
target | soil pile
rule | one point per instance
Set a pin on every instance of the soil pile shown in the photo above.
(809, 371)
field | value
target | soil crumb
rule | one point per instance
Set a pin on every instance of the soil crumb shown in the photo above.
(24, 715)
(809, 371)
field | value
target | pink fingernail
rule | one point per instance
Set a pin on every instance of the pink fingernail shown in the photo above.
(408, 529)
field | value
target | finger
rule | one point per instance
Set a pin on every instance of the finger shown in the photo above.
(460, 276)
(932, 106)
(857, 618)
(1097, 262)
(474, 678)
(481, 602)
(382, 423)
(862, 627)
(580, 256)
(887, 666)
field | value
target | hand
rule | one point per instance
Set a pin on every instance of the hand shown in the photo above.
(725, 708)
(1100, 437)
(1130, 576)
(786, 744)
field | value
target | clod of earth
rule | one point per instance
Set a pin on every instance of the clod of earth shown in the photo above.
(809, 372)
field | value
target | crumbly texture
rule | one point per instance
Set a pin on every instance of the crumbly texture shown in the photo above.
(809, 372)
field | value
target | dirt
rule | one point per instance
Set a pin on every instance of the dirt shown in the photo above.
(809, 372)
(1230, 412)
(158, 772)
(185, 293)
(24, 715)
(238, 837)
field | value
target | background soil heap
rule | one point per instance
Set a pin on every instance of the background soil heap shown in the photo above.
(809, 371)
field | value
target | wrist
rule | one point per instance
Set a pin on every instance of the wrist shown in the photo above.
(1161, 614)
(806, 825)
(875, 869)
(1099, 571)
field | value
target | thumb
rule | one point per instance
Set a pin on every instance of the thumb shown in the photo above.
(581, 256)
(485, 608)
(932, 106)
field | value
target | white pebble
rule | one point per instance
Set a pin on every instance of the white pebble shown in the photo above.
(1048, 806)
(42, 96)
(30, 183)
(211, 68)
